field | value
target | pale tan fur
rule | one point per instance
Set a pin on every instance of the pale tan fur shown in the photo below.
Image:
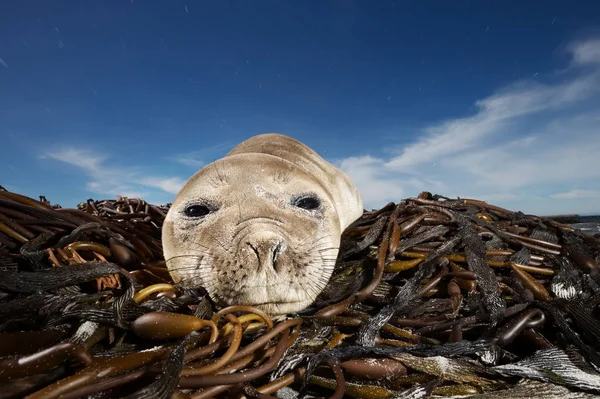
(257, 247)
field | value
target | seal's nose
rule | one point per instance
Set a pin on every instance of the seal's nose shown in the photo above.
(266, 246)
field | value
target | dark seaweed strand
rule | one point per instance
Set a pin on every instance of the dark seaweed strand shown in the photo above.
(370, 327)
(375, 214)
(570, 335)
(58, 277)
(23, 306)
(351, 247)
(452, 349)
(575, 242)
(568, 279)
(32, 308)
(477, 318)
(48, 213)
(130, 311)
(420, 391)
(492, 228)
(436, 231)
(166, 383)
(33, 250)
(88, 312)
(120, 301)
(476, 260)
(76, 233)
(589, 325)
(556, 366)
(522, 256)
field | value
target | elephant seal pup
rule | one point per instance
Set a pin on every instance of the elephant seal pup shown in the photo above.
(261, 226)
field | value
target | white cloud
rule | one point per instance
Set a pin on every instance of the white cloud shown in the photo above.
(3, 63)
(586, 52)
(197, 159)
(171, 185)
(493, 116)
(113, 180)
(193, 159)
(523, 143)
(79, 157)
(189, 161)
(578, 194)
(375, 186)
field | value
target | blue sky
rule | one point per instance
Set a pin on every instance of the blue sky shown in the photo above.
(498, 100)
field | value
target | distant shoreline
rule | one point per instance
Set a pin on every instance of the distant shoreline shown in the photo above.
(572, 219)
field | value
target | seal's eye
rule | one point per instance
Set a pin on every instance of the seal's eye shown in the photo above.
(309, 203)
(196, 211)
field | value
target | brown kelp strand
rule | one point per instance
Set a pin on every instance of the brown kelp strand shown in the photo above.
(429, 297)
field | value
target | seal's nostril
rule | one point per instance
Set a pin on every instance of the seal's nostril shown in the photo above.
(267, 251)
(248, 243)
(277, 251)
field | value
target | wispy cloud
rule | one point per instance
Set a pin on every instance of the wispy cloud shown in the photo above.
(375, 186)
(193, 159)
(199, 158)
(111, 180)
(586, 52)
(171, 185)
(525, 145)
(578, 194)
(189, 161)
(3, 63)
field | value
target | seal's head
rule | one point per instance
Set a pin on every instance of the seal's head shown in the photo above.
(261, 226)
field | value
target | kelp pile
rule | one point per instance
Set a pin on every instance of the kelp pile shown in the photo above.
(430, 297)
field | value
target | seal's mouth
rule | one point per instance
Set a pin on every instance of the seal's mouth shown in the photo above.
(258, 297)
(276, 303)
(275, 309)
(271, 304)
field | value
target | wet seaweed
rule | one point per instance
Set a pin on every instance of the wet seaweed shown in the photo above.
(430, 297)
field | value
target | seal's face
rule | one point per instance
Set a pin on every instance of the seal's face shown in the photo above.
(253, 229)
